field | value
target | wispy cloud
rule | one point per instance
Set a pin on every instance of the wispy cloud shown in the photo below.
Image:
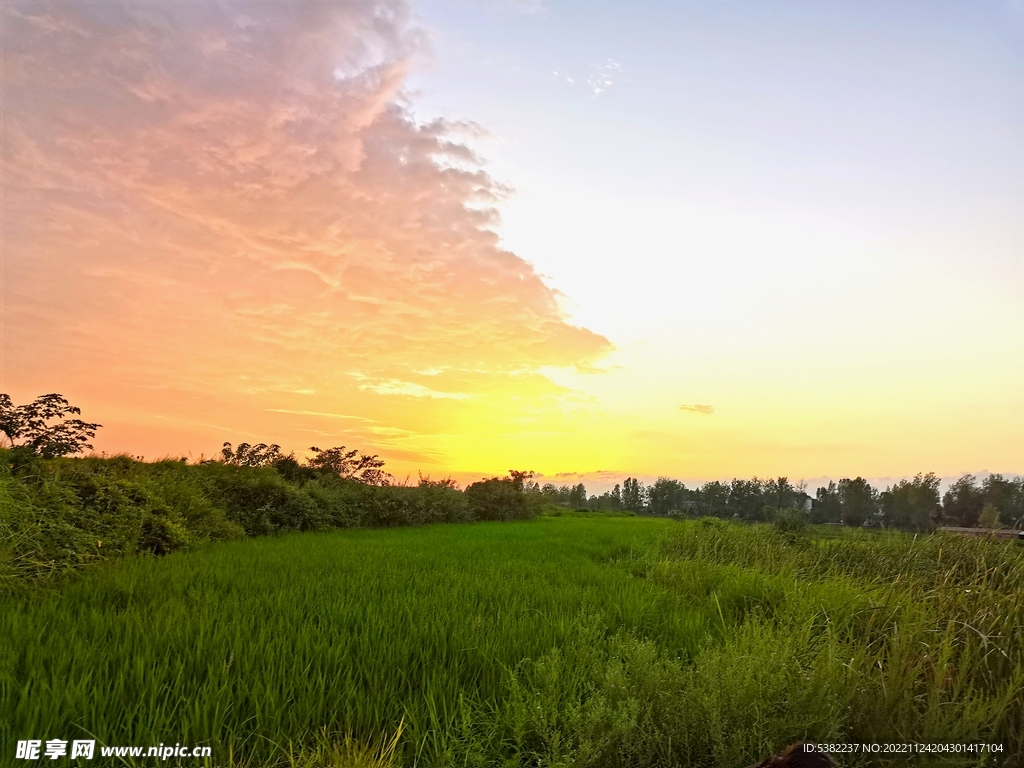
(602, 77)
(411, 389)
(703, 410)
(605, 76)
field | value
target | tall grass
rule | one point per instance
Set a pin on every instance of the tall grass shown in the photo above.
(568, 641)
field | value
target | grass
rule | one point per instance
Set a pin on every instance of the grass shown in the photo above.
(561, 641)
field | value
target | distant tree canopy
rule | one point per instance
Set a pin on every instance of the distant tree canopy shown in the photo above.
(912, 505)
(43, 427)
(850, 502)
(963, 502)
(633, 496)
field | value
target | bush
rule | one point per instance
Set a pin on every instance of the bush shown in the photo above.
(791, 523)
(499, 499)
(60, 515)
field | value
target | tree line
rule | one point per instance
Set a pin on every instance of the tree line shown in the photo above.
(44, 429)
(912, 505)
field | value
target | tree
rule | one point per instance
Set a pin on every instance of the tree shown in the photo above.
(747, 499)
(498, 499)
(349, 465)
(828, 506)
(246, 455)
(520, 479)
(963, 502)
(713, 498)
(1006, 496)
(989, 517)
(43, 427)
(781, 493)
(632, 494)
(578, 496)
(859, 501)
(666, 495)
(912, 504)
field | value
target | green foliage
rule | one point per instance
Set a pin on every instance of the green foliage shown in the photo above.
(66, 514)
(989, 517)
(62, 515)
(912, 504)
(666, 496)
(963, 502)
(574, 496)
(790, 522)
(633, 494)
(500, 499)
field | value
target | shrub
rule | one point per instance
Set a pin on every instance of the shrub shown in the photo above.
(498, 499)
(790, 522)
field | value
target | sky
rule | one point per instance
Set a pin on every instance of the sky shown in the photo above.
(590, 239)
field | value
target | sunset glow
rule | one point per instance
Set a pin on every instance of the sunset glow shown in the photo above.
(475, 236)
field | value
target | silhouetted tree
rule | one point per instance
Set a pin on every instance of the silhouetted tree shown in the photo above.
(246, 455)
(519, 479)
(858, 501)
(43, 427)
(1006, 496)
(827, 507)
(713, 499)
(963, 502)
(666, 495)
(747, 499)
(349, 465)
(912, 504)
(578, 496)
(632, 494)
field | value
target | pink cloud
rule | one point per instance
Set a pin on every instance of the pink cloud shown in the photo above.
(230, 199)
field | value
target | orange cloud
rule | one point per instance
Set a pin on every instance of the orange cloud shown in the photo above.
(223, 213)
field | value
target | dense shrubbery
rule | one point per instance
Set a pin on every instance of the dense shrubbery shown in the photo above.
(59, 515)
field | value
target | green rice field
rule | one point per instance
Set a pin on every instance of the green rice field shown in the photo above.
(560, 641)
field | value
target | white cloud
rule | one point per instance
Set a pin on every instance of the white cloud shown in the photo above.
(605, 76)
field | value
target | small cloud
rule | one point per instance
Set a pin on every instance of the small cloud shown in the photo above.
(604, 77)
(703, 410)
(395, 387)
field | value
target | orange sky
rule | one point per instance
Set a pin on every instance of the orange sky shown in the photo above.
(225, 222)
(220, 227)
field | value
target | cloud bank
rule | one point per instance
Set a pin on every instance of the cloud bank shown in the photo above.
(233, 200)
